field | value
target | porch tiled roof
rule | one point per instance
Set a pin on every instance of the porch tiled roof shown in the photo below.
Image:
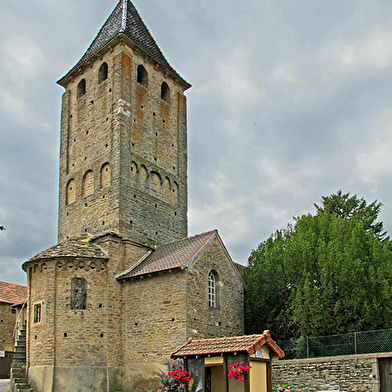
(177, 254)
(11, 293)
(247, 343)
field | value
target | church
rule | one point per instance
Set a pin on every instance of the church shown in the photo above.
(125, 286)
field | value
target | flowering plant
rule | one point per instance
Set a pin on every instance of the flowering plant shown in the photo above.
(180, 376)
(237, 371)
(282, 388)
(174, 379)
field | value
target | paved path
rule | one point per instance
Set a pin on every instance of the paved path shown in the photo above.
(4, 385)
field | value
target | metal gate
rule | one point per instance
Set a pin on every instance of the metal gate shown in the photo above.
(385, 369)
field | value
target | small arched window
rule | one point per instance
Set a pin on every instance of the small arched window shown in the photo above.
(88, 183)
(142, 75)
(103, 73)
(81, 88)
(212, 289)
(165, 92)
(105, 175)
(70, 192)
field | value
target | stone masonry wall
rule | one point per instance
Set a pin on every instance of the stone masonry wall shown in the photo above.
(88, 136)
(228, 318)
(7, 325)
(123, 153)
(67, 343)
(155, 316)
(65, 336)
(351, 373)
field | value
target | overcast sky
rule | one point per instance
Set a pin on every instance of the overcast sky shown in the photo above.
(291, 100)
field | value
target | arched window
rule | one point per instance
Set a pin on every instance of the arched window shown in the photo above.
(142, 75)
(155, 182)
(102, 73)
(88, 183)
(71, 192)
(165, 92)
(213, 289)
(81, 88)
(105, 175)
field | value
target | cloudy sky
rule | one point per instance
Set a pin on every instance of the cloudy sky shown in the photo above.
(291, 100)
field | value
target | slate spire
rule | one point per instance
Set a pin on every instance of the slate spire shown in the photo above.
(126, 20)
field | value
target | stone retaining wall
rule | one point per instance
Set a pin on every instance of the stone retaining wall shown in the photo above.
(351, 373)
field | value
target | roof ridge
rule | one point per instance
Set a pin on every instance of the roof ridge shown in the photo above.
(188, 238)
(229, 338)
(124, 16)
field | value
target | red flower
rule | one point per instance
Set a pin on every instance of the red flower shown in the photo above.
(237, 370)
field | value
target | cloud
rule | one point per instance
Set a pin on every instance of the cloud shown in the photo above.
(232, 84)
(371, 50)
(284, 73)
(373, 157)
(14, 107)
(22, 59)
(275, 176)
(222, 209)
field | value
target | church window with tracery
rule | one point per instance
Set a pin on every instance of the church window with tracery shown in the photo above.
(212, 290)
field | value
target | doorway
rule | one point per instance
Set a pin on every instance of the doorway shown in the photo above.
(214, 379)
(385, 369)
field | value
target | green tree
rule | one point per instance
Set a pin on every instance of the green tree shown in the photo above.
(326, 274)
(346, 207)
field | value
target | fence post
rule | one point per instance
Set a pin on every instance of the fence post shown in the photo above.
(307, 347)
(355, 343)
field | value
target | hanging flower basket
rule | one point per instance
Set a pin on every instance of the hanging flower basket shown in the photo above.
(237, 371)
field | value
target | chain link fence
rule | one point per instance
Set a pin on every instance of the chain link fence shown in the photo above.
(345, 344)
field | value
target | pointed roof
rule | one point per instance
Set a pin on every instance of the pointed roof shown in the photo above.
(125, 20)
(235, 344)
(177, 254)
(11, 293)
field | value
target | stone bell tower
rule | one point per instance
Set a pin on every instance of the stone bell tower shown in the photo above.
(123, 149)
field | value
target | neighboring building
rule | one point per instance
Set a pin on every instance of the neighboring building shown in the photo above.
(125, 286)
(12, 297)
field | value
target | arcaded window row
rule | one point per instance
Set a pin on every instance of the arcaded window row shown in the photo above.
(142, 78)
(88, 183)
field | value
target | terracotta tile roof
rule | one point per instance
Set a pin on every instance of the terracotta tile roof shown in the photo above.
(72, 248)
(177, 254)
(126, 20)
(246, 343)
(12, 293)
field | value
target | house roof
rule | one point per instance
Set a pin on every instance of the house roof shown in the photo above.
(247, 343)
(126, 20)
(177, 254)
(11, 293)
(72, 248)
